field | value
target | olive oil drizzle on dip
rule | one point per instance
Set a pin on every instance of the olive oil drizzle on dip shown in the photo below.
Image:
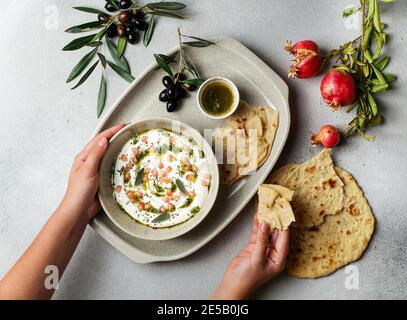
(217, 98)
(161, 178)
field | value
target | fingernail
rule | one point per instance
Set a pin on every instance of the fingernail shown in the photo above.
(102, 142)
(264, 228)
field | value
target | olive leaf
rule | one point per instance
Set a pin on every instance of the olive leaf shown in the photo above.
(101, 96)
(102, 32)
(148, 34)
(181, 187)
(121, 72)
(89, 10)
(94, 44)
(198, 44)
(166, 14)
(163, 64)
(166, 5)
(81, 65)
(121, 46)
(162, 217)
(78, 43)
(86, 75)
(190, 66)
(194, 82)
(199, 39)
(102, 59)
(85, 27)
(169, 59)
(95, 40)
(120, 61)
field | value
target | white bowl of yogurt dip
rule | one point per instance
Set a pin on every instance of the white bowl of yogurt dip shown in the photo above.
(158, 180)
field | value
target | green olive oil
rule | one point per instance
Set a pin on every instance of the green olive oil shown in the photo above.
(217, 98)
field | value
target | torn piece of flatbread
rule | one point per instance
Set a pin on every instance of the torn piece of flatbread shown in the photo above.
(274, 206)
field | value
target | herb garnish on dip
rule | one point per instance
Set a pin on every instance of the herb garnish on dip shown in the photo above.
(161, 178)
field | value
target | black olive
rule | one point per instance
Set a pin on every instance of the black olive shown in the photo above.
(140, 24)
(139, 15)
(130, 28)
(110, 7)
(124, 4)
(172, 93)
(163, 96)
(133, 37)
(121, 30)
(171, 105)
(112, 31)
(189, 87)
(167, 81)
(181, 93)
(124, 16)
(180, 76)
(103, 17)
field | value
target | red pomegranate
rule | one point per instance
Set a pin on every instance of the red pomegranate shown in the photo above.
(338, 89)
(307, 62)
(328, 136)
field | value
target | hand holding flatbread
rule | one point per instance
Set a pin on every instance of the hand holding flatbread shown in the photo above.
(274, 206)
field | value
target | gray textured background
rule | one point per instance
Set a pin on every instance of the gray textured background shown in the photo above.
(44, 124)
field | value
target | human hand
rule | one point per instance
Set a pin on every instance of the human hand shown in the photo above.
(259, 261)
(80, 195)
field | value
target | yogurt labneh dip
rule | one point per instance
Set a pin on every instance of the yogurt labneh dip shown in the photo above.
(161, 178)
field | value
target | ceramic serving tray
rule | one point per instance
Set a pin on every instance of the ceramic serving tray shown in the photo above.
(258, 85)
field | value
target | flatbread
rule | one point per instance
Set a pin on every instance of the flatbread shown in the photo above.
(318, 189)
(252, 131)
(274, 207)
(279, 176)
(341, 239)
(270, 117)
(282, 191)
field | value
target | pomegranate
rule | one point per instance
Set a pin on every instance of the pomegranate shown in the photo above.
(328, 136)
(307, 62)
(338, 88)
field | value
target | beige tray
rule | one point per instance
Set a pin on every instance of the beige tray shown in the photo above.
(257, 83)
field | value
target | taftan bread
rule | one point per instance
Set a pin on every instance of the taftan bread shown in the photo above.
(246, 140)
(342, 237)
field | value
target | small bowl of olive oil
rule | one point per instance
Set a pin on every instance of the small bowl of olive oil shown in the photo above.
(218, 97)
